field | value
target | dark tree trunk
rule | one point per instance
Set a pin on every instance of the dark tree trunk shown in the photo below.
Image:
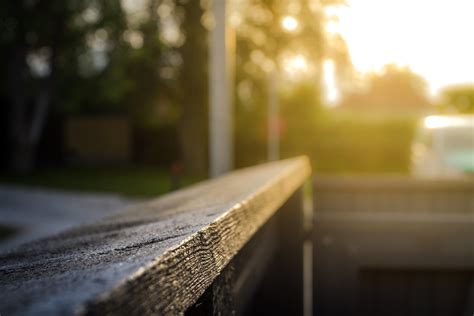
(25, 132)
(194, 92)
(28, 113)
(192, 136)
(21, 154)
(23, 157)
(26, 121)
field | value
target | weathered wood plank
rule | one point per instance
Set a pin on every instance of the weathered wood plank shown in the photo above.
(156, 258)
(235, 290)
(282, 289)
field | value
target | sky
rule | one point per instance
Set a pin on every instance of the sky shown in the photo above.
(435, 38)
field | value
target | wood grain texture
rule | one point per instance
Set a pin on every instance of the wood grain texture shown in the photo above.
(155, 258)
(235, 290)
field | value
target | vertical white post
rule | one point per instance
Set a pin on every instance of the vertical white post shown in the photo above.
(273, 150)
(220, 110)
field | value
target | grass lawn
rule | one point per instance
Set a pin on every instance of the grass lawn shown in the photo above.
(133, 182)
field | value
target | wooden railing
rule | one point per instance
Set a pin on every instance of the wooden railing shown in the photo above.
(227, 246)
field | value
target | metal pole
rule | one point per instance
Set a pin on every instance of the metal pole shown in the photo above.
(220, 109)
(273, 111)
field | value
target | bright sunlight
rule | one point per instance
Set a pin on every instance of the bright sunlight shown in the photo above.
(433, 38)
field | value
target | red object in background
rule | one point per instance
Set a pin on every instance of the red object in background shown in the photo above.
(177, 168)
(176, 172)
(281, 125)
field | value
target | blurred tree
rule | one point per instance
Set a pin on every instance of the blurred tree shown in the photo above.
(273, 37)
(192, 91)
(147, 59)
(458, 99)
(301, 112)
(394, 89)
(344, 71)
(138, 57)
(40, 42)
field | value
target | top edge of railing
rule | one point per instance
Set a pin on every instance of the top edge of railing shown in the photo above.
(156, 257)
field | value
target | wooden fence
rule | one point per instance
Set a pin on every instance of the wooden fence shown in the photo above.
(393, 246)
(228, 246)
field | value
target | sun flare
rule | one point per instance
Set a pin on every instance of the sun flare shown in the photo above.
(296, 66)
(433, 38)
(289, 23)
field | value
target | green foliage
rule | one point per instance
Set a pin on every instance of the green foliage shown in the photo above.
(301, 112)
(261, 51)
(95, 66)
(136, 182)
(64, 35)
(108, 60)
(458, 99)
(362, 143)
(342, 142)
(251, 131)
(394, 89)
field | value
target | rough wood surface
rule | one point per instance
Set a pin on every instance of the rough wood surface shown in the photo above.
(156, 258)
(235, 290)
